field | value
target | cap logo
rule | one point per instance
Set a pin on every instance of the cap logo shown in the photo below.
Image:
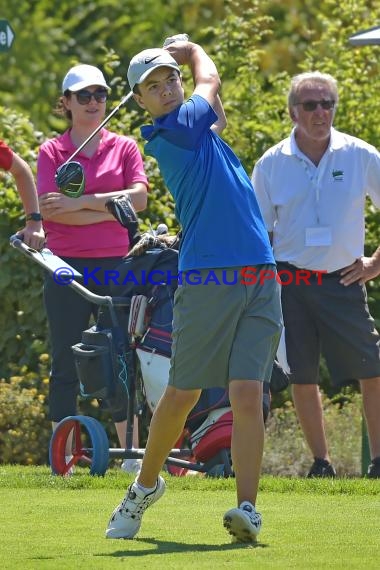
(150, 59)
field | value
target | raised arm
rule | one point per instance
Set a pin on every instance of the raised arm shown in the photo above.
(221, 123)
(205, 75)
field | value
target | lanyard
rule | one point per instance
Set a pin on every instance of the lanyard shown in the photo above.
(315, 175)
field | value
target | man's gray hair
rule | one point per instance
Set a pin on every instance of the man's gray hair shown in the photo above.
(311, 78)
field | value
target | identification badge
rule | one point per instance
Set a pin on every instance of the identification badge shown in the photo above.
(320, 235)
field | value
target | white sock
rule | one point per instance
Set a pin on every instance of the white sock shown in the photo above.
(247, 503)
(145, 489)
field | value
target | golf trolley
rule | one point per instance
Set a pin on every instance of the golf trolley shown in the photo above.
(109, 362)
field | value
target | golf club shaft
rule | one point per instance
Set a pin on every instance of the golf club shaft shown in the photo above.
(122, 102)
(102, 124)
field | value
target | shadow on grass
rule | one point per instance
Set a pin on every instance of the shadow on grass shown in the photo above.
(166, 547)
(162, 547)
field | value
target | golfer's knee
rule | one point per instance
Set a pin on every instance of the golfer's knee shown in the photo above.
(246, 397)
(180, 401)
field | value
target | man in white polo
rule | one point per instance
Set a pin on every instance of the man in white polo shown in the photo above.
(311, 188)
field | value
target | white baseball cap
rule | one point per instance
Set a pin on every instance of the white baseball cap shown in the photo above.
(82, 76)
(146, 61)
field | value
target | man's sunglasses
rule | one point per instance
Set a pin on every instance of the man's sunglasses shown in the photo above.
(84, 96)
(326, 104)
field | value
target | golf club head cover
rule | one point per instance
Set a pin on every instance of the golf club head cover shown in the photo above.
(123, 211)
(69, 178)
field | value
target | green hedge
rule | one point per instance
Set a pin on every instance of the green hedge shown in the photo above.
(242, 36)
(25, 432)
(22, 318)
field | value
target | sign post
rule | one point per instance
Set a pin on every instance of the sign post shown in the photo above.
(7, 35)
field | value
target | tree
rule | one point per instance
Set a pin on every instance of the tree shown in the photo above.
(52, 35)
(22, 319)
(257, 45)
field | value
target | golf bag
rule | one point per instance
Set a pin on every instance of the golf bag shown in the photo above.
(150, 280)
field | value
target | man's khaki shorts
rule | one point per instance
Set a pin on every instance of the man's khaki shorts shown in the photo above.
(225, 327)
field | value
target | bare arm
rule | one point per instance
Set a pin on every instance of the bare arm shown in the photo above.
(137, 193)
(25, 184)
(205, 75)
(221, 123)
(32, 233)
(88, 208)
(362, 270)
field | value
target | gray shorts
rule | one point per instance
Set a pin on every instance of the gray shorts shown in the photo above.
(224, 329)
(329, 319)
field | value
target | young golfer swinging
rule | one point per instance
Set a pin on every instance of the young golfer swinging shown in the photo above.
(223, 335)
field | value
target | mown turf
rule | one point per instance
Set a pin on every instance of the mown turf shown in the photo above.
(58, 523)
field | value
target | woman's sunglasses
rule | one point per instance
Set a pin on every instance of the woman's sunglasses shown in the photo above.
(326, 104)
(84, 96)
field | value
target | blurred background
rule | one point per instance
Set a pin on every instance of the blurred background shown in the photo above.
(257, 45)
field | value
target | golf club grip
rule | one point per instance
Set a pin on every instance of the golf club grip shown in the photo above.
(102, 124)
(176, 38)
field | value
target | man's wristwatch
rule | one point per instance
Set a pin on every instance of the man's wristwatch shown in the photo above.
(35, 216)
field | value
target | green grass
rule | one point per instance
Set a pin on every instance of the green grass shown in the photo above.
(58, 523)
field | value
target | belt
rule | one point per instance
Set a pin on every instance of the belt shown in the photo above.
(315, 272)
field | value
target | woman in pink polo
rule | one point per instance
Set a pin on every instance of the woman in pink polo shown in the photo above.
(80, 230)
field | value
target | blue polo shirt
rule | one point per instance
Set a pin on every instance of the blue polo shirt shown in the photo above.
(215, 203)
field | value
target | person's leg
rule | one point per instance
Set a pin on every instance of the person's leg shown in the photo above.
(121, 430)
(201, 357)
(247, 437)
(370, 389)
(308, 405)
(67, 315)
(252, 356)
(101, 268)
(129, 465)
(301, 308)
(247, 443)
(167, 423)
(166, 426)
(352, 351)
(350, 345)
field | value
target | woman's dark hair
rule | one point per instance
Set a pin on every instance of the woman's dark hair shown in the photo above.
(60, 108)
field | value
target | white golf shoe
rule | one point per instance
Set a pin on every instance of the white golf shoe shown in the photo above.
(243, 523)
(125, 520)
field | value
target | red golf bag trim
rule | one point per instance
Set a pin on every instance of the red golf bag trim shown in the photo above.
(216, 438)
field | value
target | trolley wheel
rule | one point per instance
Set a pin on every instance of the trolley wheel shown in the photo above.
(96, 455)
